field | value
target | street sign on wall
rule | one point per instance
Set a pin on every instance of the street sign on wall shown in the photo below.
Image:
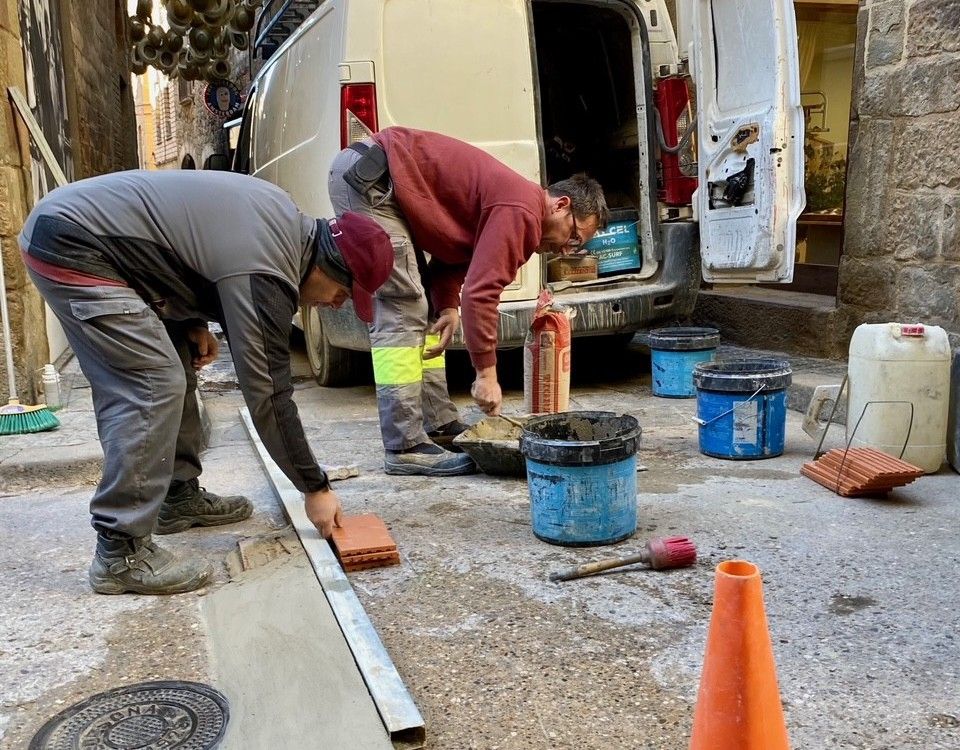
(222, 98)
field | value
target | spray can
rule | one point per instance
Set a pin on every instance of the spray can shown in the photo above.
(50, 379)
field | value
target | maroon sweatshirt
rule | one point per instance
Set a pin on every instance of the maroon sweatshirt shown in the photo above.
(477, 218)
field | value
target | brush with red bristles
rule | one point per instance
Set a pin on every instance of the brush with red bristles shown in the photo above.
(660, 554)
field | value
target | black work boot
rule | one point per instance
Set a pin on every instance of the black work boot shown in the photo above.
(188, 504)
(428, 460)
(138, 566)
(444, 435)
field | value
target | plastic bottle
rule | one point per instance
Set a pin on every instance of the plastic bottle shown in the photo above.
(51, 386)
(893, 366)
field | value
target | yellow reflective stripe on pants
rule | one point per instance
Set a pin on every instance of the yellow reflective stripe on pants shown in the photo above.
(397, 365)
(434, 363)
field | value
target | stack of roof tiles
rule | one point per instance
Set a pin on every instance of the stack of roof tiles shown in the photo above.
(364, 542)
(860, 471)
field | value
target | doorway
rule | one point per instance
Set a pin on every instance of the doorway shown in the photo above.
(827, 36)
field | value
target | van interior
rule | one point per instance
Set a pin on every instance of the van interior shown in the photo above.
(588, 97)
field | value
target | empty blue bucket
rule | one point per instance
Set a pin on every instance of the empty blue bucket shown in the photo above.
(582, 476)
(674, 352)
(742, 407)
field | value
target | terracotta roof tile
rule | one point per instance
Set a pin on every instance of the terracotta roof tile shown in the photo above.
(860, 471)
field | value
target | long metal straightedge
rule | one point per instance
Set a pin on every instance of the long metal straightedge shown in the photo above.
(400, 715)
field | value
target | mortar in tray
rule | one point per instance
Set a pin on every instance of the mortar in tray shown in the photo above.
(494, 445)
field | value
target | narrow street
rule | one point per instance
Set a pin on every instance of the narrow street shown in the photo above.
(859, 592)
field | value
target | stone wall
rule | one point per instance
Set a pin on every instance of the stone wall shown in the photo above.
(25, 307)
(102, 138)
(201, 132)
(901, 257)
(96, 56)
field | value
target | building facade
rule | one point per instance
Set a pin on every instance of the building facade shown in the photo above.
(71, 62)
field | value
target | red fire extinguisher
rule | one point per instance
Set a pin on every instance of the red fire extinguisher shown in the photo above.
(674, 130)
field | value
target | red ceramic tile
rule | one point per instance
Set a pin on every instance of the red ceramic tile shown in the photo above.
(365, 537)
(860, 471)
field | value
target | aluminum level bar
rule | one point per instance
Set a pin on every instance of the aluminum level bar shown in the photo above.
(400, 715)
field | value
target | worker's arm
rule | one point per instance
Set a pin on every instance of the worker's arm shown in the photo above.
(445, 282)
(507, 237)
(445, 327)
(257, 314)
(205, 347)
(486, 391)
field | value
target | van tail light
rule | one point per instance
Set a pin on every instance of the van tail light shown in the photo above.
(678, 165)
(358, 112)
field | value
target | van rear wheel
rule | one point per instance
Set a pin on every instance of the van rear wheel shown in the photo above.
(331, 365)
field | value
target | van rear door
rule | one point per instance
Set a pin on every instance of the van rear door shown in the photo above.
(750, 138)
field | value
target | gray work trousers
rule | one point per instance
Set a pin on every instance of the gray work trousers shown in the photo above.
(144, 398)
(412, 395)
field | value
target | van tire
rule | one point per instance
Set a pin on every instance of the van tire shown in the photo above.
(331, 365)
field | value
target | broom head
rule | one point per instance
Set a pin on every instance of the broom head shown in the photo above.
(17, 419)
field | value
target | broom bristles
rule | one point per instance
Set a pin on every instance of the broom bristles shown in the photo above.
(18, 419)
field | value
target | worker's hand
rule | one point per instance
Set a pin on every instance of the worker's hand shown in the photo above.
(207, 346)
(486, 391)
(324, 511)
(446, 325)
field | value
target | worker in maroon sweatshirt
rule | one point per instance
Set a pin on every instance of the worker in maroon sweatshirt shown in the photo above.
(479, 222)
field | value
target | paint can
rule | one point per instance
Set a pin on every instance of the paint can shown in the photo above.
(674, 352)
(742, 407)
(582, 476)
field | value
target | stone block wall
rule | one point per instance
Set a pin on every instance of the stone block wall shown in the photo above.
(102, 134)
(28, 332)
(201, 132)
(901, 257)
(97, 62)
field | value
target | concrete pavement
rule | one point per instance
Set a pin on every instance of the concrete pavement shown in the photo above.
(861, 594)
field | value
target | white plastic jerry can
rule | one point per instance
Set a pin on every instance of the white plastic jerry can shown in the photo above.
(899, 386)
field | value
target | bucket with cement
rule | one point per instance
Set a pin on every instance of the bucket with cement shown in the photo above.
(582, 476)
(742, 407)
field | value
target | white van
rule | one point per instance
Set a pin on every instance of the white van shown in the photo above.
(553, 87)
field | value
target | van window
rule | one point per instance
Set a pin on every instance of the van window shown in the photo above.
(241, 156)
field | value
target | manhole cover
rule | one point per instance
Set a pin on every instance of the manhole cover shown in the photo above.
(149, 716)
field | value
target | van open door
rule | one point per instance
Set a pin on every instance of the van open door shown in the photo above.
(750, 138)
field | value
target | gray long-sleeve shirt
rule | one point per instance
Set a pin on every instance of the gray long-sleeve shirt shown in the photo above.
(206, 246)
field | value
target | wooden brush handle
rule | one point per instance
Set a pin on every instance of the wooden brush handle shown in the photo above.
(600, 565)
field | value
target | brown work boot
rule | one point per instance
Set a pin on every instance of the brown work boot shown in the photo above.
(138, 566)
(188, 504)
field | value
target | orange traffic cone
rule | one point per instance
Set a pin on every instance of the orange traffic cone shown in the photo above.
(738, 707)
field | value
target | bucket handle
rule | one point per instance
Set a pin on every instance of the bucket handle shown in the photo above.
(863, 413)
(705, 422)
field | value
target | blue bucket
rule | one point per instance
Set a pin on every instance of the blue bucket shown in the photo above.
(742, 407)
(582, 476)
(674, 352)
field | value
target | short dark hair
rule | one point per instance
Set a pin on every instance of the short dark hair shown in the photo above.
(586, 198)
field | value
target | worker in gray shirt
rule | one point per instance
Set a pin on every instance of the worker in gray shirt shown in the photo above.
(134, 264)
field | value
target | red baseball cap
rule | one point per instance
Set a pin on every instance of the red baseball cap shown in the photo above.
(368, 253)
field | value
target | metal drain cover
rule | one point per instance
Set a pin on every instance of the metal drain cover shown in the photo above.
(172, 715)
